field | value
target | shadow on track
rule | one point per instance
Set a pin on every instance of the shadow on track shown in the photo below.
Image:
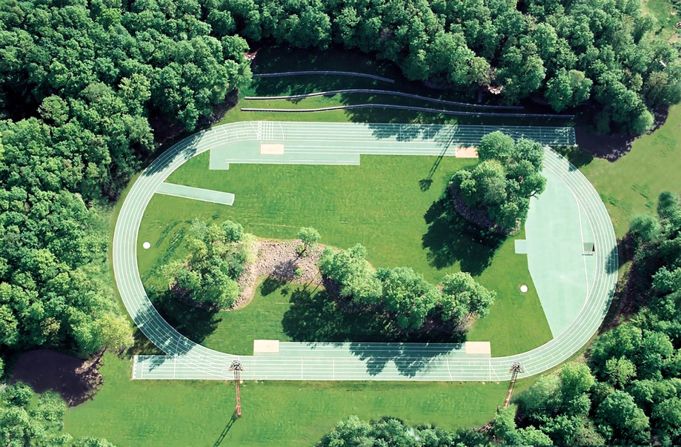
(318, 317)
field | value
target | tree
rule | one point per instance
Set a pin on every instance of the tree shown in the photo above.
(667, 418)
(350, 270)
(542, 399)
(575, 383)
(622, 421)
(408, 296)
(568, 89)
(208, 276)
(29, 419)
(619, 371)
(462, 295)
(501, 185)
(309, 237)
(644, 228)
(115, 333)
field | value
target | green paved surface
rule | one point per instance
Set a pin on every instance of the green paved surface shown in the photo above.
(556, 229)
(356, 361)
(190, 192)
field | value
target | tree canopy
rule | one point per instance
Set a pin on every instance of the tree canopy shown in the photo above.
(27, 419)
(404, 296)
(496, 192)
(208, 275)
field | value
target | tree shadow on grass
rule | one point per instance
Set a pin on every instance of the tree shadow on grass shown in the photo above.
(194, 322)
(450, 239)
(317, 317)
(75, 379)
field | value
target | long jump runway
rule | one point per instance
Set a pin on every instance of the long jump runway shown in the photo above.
(343, 143)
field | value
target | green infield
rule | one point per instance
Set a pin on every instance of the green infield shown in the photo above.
(382, 204)
(287, 414)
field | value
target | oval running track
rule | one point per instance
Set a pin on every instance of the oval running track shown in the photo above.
(185, 359)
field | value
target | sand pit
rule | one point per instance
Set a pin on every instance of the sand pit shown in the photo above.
(265, 346)
(478, 347)
(466, 152)
(271, 149)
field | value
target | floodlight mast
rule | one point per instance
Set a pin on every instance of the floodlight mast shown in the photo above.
(516, 368)
(237, 367)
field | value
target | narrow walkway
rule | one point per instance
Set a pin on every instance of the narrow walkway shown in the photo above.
(353, 74)
(373, 91)
(190, 192)
(412, 109)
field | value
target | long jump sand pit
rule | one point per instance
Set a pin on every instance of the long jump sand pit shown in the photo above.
(265, 346)
(271, 149)
(466, 152)
(478, 348)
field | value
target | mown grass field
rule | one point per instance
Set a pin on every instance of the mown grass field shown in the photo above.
(631, 185)
(379, 204)
(283, 414)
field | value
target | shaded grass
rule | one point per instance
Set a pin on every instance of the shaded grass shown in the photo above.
(380, 204)
(194, 413)
(261, 319)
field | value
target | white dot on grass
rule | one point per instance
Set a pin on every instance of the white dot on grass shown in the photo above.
(523, 288)
(146, 245)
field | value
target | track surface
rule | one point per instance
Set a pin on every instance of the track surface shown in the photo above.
(185, 359)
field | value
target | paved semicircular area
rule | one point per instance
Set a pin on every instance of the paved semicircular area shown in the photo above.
(343, 143)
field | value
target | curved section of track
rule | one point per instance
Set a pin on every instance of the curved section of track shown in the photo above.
(185, 359)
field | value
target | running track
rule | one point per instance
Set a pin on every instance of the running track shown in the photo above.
(185, 359)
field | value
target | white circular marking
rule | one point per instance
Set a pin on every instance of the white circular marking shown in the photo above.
(146, 245)
(524, 288)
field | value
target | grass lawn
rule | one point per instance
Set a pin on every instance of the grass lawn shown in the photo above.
(176, 413)
(630, 186)
(261, 319)
(395, 220)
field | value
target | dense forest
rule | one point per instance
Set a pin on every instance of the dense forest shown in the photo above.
(88, 88)
(627, 393)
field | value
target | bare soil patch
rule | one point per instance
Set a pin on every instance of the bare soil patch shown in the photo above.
(279, 261)
(75, 379)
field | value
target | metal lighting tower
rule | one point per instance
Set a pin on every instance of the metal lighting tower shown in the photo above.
(236, 367)
(516, 368)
